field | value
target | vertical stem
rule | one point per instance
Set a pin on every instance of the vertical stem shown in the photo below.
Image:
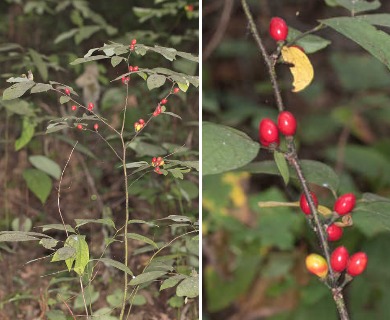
(85, 302)
(6, 156)
(127, 216)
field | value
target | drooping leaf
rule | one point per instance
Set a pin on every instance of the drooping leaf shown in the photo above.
(17, 90)
(172, 281)
(364, 34)
(63, 253)
(301, 68)
(225, 148)
(115, 60)
(314, 171)
(16, 236)
(155, 81)
(88, 59)
(310, 43)
(38, 182)
(64, 99)
(115, 264)
(105, 221)
(41, 87)
(147, 277)
(65, 35)
(281, 163)
(48, 243)
(57, 226)
(136, 236)
(28, 130)
(188, 287)
(46, 165)
(39, 63)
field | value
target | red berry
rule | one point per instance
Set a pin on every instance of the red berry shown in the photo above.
(278, 29)
(287, 123)
(91, 106)
(317, 264)
(357, 264)
(163, 101)
(80, 126)
(131, 68)
(334, 232)
(131, 47)
(345, 203)
(74, 108)
(135, 68)
(268, 132)
(157, 111)
(304, 204)
(133, 42)
(176, 90)
(96, 126)
(141, 121)
(339, 259)
(67, 91)
(125, 80)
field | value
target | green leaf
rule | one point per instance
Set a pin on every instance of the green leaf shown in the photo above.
(64, 253)
(282, 165)
(17, 90)
(374, 41)
(18, 106)
(39, 63)
(356, 6)
(310, 43)
(188, 164)
(16, 236)
(146, 149)
(38, 182)
(147, 277)
(105, 221)
(115, 60)
(28, 131)
(188, 56)
(48, 243)
(85, 32)
(136, 164)
(315, 172)
(225, 148)
(372, 217)
(183, 86)
(65, 35)
(88, 59)
(41, 87)
(136, 236)
(46, 165)
(115, 264)
(57, 226)
(55, 315)
(378, 19)
(172, 281)
(64, 99)
(82, 253)
(188, 287)
(155, 81)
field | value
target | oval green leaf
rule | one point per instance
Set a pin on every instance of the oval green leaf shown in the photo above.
(46, 165)
(38, 182)
(225, 148)
(147, 277)
(155, 81)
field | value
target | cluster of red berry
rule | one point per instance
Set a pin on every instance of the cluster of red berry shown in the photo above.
(139, 125)
(132, 44)
(164, 101)
(157, 163)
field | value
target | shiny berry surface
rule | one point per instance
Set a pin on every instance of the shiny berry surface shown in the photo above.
(164, 101)
(304, 204)
(339, 259)
(278, 29)
(133, 42)
(67, 91)
(357, 264)
(334, 232)
(287, 123)
(80, 126)
(74, 108)
(268, 132)
(317, 265)
(176, 90)
(135, 68)
(345, 203)
(96, 126)
(91, 106)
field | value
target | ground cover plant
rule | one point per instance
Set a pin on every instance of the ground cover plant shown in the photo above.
(100, 180)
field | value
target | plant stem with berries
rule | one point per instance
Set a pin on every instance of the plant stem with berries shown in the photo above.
(293, 160)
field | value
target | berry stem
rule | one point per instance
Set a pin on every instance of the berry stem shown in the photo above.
(268, 62)
(293, 160)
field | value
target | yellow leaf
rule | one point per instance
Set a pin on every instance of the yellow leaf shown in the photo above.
(301, 68)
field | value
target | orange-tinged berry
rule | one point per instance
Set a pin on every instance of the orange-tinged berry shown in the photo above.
(317, 265)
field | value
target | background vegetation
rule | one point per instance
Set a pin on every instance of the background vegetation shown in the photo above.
(255, 256)
(44, 37)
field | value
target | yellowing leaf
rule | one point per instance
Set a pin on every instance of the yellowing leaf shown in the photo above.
(302, 70)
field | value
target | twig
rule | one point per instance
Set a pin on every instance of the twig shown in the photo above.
(59, 189)
(85, 302)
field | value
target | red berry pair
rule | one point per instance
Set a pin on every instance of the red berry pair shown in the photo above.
(125, 80)
(355, 264)
(90, 106)
(157, 111)
(133, 69)
(157, 162)
(269, 131)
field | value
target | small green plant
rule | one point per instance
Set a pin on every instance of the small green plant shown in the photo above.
(175, 263)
